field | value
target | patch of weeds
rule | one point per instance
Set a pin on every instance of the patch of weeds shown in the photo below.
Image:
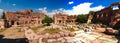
(51, 31)
(19, 29)
(3, 29)
(36, 28)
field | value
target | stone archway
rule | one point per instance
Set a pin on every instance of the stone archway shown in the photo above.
(12, 22)
(107, 15)
(115, 4)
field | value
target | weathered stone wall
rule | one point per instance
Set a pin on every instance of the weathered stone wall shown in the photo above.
(24, 18)
(64, 19)
(108, 16)
(1, 24)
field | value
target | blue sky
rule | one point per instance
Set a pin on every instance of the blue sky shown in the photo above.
(53, 5)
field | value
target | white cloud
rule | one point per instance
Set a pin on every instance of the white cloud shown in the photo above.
(114, 8)
(1, 12)
(97, 8)
(71, 2)
(14, 4)
(61, 10)
(51, 13)
(43, 10)
(83, 8)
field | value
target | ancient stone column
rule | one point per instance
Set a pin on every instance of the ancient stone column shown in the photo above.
(55, 20)
(9, 22)
(89, 19)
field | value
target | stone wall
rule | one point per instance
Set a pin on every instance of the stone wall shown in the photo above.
(64, 19)
(108, 16)
(23, 18)
(1, 24)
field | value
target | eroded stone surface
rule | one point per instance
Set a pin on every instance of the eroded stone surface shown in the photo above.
(108, 16)
(79, 36)
(23, 18)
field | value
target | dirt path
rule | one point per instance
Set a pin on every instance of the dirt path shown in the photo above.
(12, 33)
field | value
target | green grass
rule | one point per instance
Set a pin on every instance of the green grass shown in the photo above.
(51, 31)
(36, 28)
(19, 29)
(3, 29)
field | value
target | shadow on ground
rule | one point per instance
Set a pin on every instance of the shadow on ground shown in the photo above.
(118, 37)
(18, 40)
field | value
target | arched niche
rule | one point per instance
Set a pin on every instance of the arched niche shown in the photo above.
(116, 4)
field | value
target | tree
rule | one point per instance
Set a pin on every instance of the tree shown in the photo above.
(47, 20)
(82, 18)
(91, 12)
(3, 15)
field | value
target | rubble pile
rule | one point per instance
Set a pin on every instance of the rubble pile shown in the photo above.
(83, 34)
(88, 37)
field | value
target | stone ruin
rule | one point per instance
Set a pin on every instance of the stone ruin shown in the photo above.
(23, 18)
(64, 19)
(29, 18)
(108, 16)
(1, 24)
(77, 36)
